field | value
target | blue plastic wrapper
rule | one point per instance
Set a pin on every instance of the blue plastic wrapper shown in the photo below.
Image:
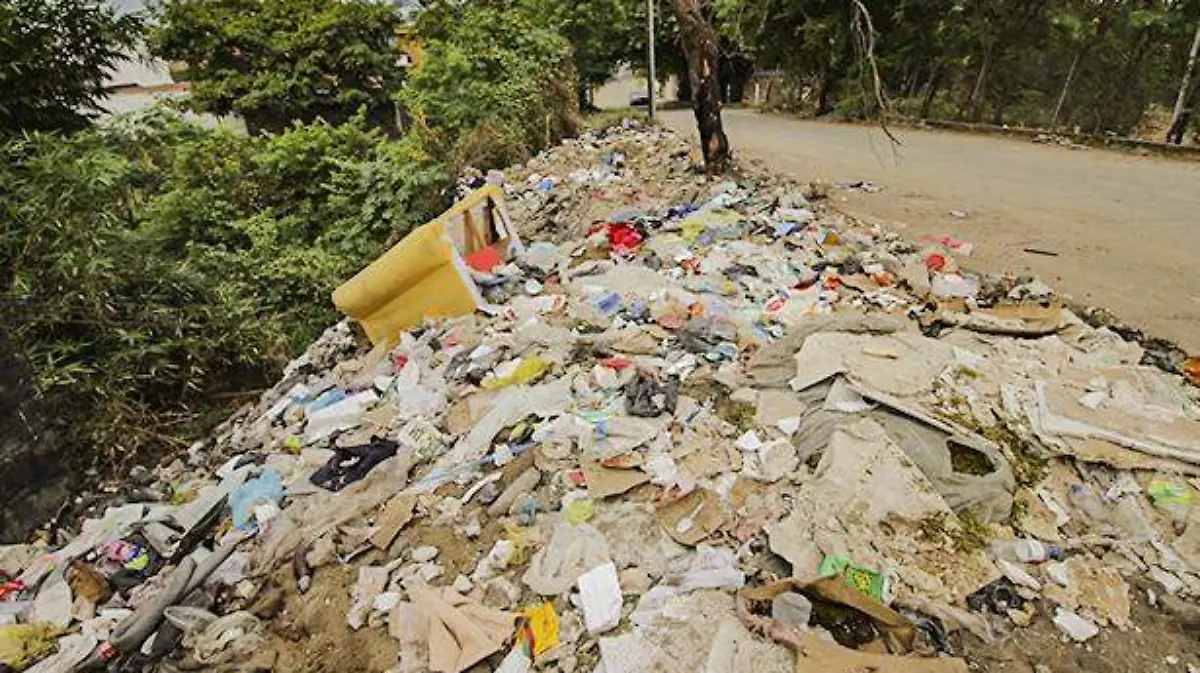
(267, 488)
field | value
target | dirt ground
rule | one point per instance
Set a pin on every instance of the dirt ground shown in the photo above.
(1159, 643)
(1122, 231)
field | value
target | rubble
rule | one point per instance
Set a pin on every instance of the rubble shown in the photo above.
(678, 393)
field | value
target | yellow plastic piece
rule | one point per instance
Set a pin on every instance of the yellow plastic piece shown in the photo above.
(543, 627)
(698, 222)
(579, 511)
(530, 370)
(21, 645)
(425, 275)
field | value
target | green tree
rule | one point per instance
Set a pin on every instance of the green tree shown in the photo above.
(1094, 65)
(285, 60)
(599, 32)
(497, 83)
(55, 56)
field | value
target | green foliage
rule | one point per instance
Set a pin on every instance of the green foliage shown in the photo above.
(151, 263)
(602, 34)
(979, 60)
(274, 62)
(55, 56)
(497, 83)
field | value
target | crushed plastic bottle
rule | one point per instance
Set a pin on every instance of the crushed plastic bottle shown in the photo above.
(951, 285)
(1026, 550)
(1089, 502)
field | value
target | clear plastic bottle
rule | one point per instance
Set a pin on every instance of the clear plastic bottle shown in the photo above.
(1085, 499)
(1026, 550)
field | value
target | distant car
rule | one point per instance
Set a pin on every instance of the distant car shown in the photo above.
(639, 97)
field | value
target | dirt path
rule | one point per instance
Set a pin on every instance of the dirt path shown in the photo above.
(1126, 229)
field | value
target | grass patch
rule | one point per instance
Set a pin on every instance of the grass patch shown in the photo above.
(967, 535)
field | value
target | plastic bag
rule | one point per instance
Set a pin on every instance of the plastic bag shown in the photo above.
(1174, 499)
(23, 644)
(257, 499)
(572, 551)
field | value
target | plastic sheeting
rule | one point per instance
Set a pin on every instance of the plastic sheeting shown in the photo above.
(930, 443)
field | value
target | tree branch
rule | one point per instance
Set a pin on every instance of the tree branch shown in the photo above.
(864, 43)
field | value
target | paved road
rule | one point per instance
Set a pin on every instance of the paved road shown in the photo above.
(1126, 229)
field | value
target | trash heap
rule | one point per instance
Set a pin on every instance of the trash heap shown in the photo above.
(704, 424)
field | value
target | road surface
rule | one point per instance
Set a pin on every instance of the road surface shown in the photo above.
(1125, 228)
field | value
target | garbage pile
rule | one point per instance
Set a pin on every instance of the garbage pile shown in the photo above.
(702, 424)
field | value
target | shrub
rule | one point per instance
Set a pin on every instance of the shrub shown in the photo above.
(152, 265)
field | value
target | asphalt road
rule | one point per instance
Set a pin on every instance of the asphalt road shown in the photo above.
(1123, 230)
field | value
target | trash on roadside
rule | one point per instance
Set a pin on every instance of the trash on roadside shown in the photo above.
(998, 597)
(257, 501)
(540, 631)
(1078, 628)
(692, 518)
(686, 387)
(570, 552)
(351, 464)
(648, 396)
(23, 644)
(853, 619)
(1026, 550)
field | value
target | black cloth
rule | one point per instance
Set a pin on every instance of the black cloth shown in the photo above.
(351, 464)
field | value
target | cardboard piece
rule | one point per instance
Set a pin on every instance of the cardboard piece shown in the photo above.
(394, 517)
(603, 482)
(1026, 320)
(461, 632)
(692, 518)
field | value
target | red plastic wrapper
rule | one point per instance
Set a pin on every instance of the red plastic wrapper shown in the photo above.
(11, 589)
(624, 238)
(617, 362)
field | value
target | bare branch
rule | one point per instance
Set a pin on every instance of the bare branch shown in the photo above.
(864, 43)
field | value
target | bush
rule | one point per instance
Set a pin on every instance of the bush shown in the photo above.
(285, 60)
(496, 85)
(152, 264)
(55, 56)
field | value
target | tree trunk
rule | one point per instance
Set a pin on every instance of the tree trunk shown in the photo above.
(700, 46)
(823, 90)
(584, 91)
(975, 102)
(683, 88)
(1107, 117)
(1179, 126)
(914, 82)
(1178, 119)
(931, 89)
(1066, 88)
(998, 112)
